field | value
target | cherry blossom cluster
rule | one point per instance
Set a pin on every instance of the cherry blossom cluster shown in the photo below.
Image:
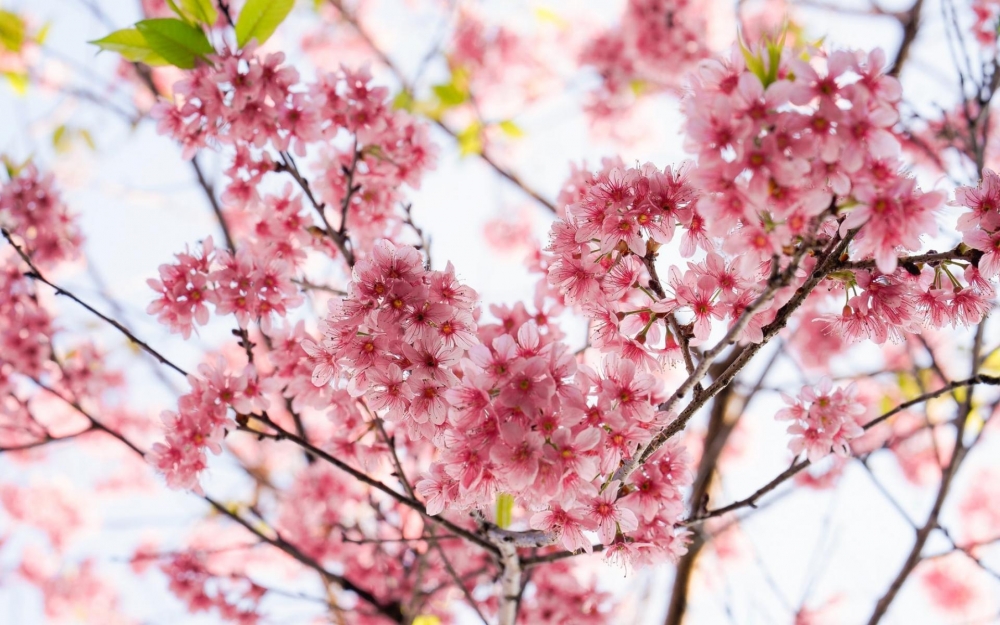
(203, 418)
(506, 404)
(780, 140)
(32, 212)
(655, 43)
(506, 69)
(234, 600)
(980, 227)
(32, 209)
(530, 422)
(604, 250)
(881, 307)
(25, 328)
(389, 149)
(253, 284)
(824, 420)
(365, 150)
(398, 334)
(790, 152)
(952, 292)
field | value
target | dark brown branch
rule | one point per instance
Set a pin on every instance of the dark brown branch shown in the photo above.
(791, 471)
(486, 158)
(36, 274)
(339, 239)
(283, 434)
(392, 611)
(947, 477)
(716, 437)
(46, 440)
(214, 202)
(911, 27)
(931, 258)
(351, 190)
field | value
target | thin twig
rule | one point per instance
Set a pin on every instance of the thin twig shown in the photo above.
(36, 274)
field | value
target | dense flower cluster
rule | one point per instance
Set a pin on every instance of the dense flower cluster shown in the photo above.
(980, 227)
(252, 284)
(507, 405)
(789, 153)
(25, 328)
(654, 45)
(260, 110)
(398, 334)
(951, 293)
(32, 212)
(203, 419)
(824, 419)
(782, 141)
(236, 600)
(32, 209)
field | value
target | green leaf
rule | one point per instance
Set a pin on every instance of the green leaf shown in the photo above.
(450, 95)
(403, 101)
(180, 43)
(84, 134)
(470, 140)
(505, 510)
(63, 138)
(12, 168)
(59, 139)
(43, 33)
(132, 45)
(991, 366)
(201, 11)
(11, 31)
(511, 129)
(260, 18)
(18, 81)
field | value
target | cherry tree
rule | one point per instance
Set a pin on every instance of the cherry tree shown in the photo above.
(795, 309)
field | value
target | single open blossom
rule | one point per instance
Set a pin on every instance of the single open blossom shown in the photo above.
(568, 524)
(610, 517)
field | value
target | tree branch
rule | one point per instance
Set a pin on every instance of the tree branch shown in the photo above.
(36, 274)
(791, 471)
(486, 158)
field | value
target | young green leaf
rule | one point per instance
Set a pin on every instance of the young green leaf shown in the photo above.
(11, 31)
(18, 81)
(201, 11)
(260, 18)
(511, 129)
(470, 140)
(59, 139)
(180, 43)
(450, 95)
(403, 100)
(505, 509)
(132, 45)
